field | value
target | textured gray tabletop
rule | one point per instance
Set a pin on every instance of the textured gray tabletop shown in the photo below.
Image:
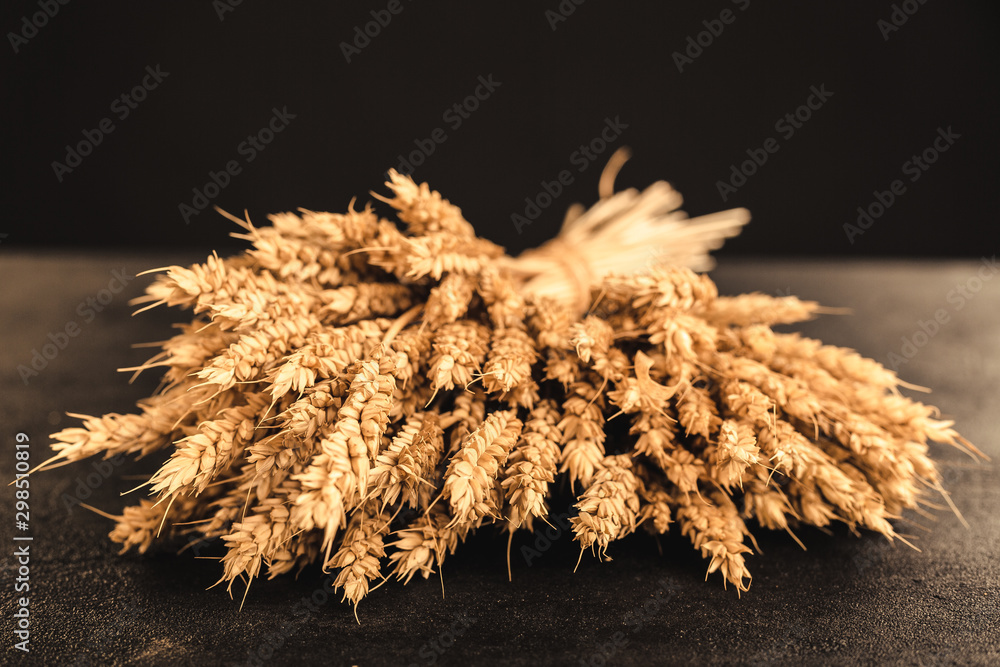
(845, 600)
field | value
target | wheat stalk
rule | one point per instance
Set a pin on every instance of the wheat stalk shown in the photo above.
(349, 390)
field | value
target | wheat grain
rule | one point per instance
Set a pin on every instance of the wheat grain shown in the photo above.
(347, 379)
(609, 506)
(468, 482)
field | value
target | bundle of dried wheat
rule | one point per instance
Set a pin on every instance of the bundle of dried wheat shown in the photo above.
(344, 370)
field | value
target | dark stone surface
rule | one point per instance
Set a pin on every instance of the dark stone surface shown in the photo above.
(846, 600)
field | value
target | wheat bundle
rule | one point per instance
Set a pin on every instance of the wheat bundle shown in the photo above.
(364, 395)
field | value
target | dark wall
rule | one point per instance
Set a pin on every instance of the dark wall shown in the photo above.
(889, 92)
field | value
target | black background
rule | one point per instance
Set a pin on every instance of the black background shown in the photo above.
(606, 59)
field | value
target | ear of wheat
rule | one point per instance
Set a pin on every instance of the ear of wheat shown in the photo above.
(347, 368)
